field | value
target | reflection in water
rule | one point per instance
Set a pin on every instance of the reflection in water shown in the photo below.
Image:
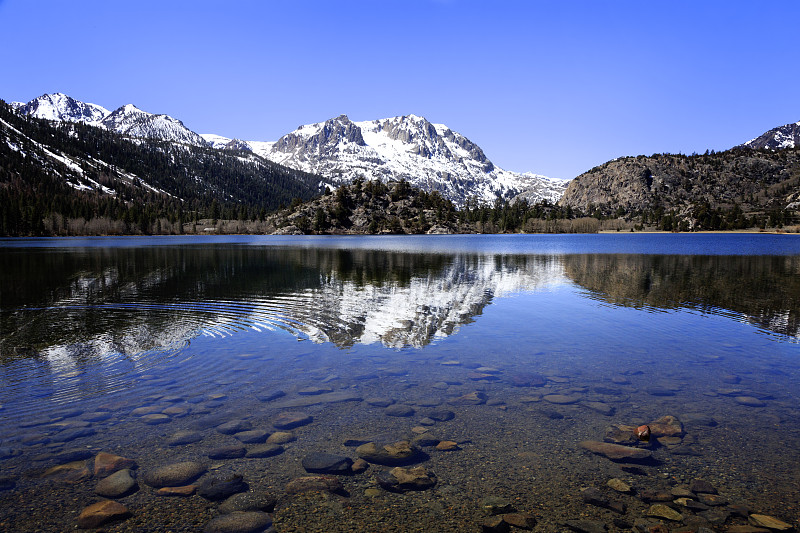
(100, 303)
(763, 290)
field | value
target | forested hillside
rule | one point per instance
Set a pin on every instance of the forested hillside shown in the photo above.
(71, 178)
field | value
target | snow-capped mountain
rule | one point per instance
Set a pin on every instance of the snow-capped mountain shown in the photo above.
(429, 156)
(787, 136)
(61, 107)
(132, 121)
(126, 120)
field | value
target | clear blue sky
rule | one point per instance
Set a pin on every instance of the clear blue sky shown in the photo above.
(548, 87)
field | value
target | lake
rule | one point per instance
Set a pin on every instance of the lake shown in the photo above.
(404, 383)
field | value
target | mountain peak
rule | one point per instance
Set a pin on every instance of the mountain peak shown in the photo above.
(786, 136)
(60, 107)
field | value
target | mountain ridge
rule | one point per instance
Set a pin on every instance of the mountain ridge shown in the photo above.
(429, 156)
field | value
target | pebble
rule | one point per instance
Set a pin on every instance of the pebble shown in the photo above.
(749, 401)
(327, 463)
(226, 452)
(117, 484)
(175, 474)
(619, 485)
(447, 446)
(398, 453)
(240, 522)
(270, 395)
(441, 415)
(666, 426)
(253, 436)
(186, 490)
(314, 483)
(659, 510)
(494, 505)
(234, 426)
(101, 513)
(184, 437)
(472, 398)
(107, 463)
(379, 402)
(281, 437)
(399, 409)
(762, 520)
(701, 485)
(560, 399)
(359, 465)
(600, 407)
(520, 520)
(291, 420)
(616, 452)
(264, 450)
(155, 419)
(527, 380)
(495, 524)
(400, 479)
(248, 501)
(215, 489)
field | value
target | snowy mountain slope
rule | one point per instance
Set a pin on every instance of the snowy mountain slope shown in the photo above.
(61, 107)
(429, 156)
(132, 121)
(787, 136)
(126, 120)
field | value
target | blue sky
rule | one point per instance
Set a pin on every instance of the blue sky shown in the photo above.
(548, 87)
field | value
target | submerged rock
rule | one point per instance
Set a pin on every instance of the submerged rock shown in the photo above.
(101, 513)
(117, 484)
(762, 520)
(175, 474)
(398, 453)
(107, 463)
(616, 452)
(400, 479)
(240, 522)
(327, 463)
(291, 420)
(314, 483)
(218, 489)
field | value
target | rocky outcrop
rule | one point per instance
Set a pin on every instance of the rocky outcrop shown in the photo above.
(755, 181)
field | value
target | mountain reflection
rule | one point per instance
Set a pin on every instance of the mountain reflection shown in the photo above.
(83, 304)
(763, 290)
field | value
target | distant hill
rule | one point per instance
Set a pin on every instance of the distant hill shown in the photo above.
(734, 189)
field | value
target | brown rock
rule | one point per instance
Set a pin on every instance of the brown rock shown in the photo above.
(447, 446)
(100, 513)
(520, 520)
(280, 437)
(359, 465)
(186, 490)
(762, 520)
(659, 510)
(643, 433)
(72, 473)
(560, 399)
(666, 426)
(108, 463)
(616, 452)
(621, 434)
(390, 454)
(291, 420)
(473, 398)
